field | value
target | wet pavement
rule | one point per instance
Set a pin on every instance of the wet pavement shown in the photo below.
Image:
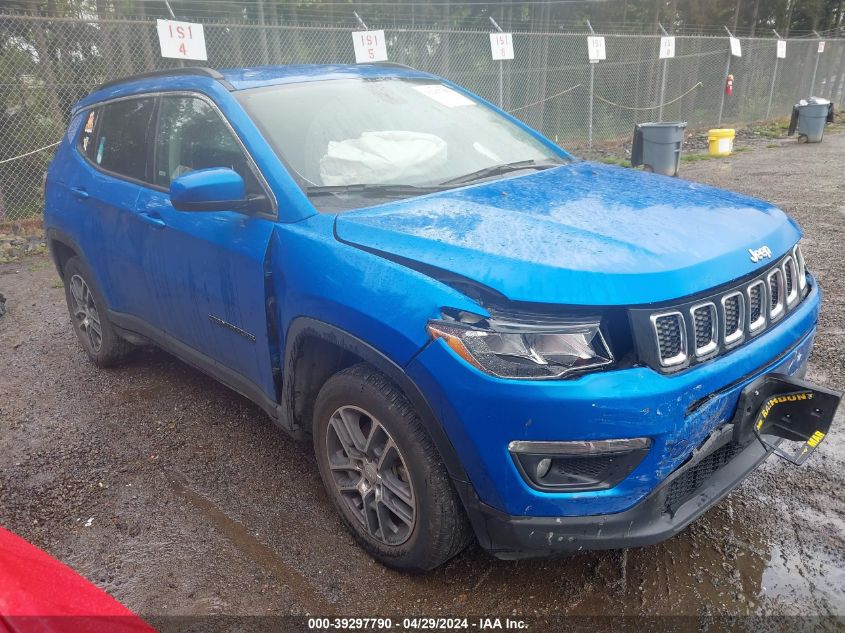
(179, 497)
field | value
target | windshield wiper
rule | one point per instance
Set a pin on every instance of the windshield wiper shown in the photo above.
(505, 168)
(369, 189)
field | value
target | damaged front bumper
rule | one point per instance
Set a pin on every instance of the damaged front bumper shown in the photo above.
(774, 409)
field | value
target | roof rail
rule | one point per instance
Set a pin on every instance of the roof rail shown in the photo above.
(201, 71)
(395, 64)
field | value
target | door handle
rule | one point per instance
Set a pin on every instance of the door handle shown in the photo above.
(152, 218)
(79, 192)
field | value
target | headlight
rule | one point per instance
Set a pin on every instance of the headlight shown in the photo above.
(511, 348)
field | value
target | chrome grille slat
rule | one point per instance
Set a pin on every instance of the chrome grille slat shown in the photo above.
(705, 325)
(802, 270)
(733, 310)
(774, 282)
(790, 272)
(694, 332)
(670, 330)
(756, 306)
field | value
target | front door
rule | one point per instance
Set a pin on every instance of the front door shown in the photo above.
(207, 269)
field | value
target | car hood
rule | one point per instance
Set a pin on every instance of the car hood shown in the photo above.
(579, 234)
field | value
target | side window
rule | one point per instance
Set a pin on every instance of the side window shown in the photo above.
(86, 138)
(191, 135)
(121, 145)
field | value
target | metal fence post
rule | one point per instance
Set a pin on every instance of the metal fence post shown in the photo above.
(662, 80)
(774, 78)
(592, 87)
(816, 68)
(499, 29)
(173, 17)
(727, 72)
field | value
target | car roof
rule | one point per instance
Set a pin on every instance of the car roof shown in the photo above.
(234, 79)
(255, 77)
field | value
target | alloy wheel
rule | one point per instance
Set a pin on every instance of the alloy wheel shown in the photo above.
(85, 314)
(371, 475)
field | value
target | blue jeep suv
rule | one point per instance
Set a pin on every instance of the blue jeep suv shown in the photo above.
(482, 335)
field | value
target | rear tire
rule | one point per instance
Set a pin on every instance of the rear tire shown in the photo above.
(383, 473)
(89, 315)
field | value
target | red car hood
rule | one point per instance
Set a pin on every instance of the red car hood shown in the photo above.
(40, 594)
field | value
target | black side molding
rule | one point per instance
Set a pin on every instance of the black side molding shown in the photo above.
(200, 71)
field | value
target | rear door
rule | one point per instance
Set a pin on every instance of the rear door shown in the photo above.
(103, 185)
(207, 269)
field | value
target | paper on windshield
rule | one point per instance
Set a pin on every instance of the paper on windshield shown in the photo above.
(387, 157)
(444, 95)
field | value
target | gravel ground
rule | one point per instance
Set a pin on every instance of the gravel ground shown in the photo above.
(180, 498)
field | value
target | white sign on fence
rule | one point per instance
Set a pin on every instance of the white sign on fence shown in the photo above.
(501, 45)
(736, 47)
(781, 49)
(369, 46)
(667, 47)
(181, 40)
(595, 48)
(821, 47)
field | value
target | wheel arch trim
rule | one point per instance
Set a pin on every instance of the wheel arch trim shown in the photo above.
(303, 328)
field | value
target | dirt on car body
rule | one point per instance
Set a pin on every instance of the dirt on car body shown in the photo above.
(179, 497)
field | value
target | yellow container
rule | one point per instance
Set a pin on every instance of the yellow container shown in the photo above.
(721, 141)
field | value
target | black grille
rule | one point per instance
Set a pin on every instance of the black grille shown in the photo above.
(774, 290)
(732, 307)
(591, 467)
(755, 298)
(703, 326)
(691, 480)
(669, 337)
(692, 331)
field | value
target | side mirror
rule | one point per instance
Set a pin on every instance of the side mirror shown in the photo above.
(212, 189)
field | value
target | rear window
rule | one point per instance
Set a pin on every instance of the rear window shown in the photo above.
(86, 139)
(122, 134)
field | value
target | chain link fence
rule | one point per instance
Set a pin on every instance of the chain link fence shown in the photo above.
(46, 64)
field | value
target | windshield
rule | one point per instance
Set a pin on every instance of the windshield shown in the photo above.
(349, 139)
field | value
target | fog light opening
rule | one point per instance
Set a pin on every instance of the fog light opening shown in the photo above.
(578, 466)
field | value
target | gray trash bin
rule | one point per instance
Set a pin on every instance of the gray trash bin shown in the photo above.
(657, 146)
(809, 117)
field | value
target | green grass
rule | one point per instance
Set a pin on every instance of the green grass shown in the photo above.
(613, 160)
(771, 145)
(775, 129)
(694, 158)
(57, 284)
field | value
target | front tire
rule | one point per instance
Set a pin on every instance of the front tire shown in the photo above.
(89, 316)
(383, 473)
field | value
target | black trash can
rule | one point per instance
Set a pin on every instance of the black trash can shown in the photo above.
(657, 146)
(809, 117)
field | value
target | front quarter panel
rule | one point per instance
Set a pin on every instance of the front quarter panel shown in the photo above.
(376, 300)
